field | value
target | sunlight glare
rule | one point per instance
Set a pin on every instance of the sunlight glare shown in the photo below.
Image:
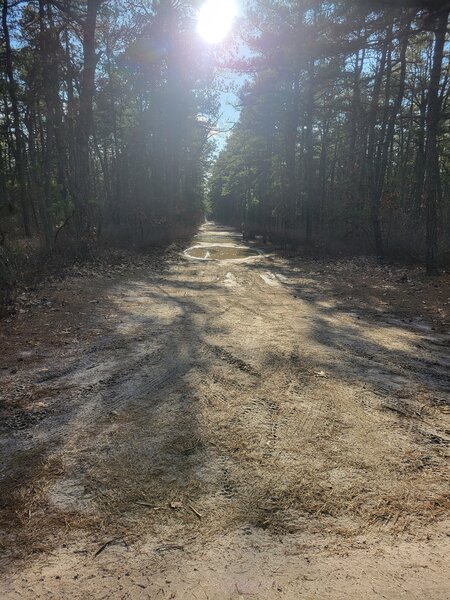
(215, 19)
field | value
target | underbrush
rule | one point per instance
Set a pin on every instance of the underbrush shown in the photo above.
(24, 263)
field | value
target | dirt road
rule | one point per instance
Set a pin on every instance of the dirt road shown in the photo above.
(244, 428)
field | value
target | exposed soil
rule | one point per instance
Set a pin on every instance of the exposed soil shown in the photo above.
(255, 427)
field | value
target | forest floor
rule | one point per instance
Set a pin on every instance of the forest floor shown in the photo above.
(255, 428)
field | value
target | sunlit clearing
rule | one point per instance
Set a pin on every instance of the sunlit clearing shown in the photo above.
(215, 19)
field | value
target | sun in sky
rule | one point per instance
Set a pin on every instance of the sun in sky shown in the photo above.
(215, 18)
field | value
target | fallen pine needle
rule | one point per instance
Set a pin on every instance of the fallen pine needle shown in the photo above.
(149, 505)
(109, 543)
(200, 516)
(166, 547)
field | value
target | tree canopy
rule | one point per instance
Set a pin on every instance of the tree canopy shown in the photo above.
(108, 117)
(342, 141)
(107, 109)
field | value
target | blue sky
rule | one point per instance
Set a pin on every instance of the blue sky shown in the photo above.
(229, 110)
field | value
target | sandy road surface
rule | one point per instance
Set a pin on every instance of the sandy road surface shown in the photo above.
(232, 430)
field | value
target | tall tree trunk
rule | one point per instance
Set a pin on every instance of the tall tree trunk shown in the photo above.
(290, 207)
(48, 150)
(309, 151)
(389, 134)
(116, 189)
(419, 164)
(371, 149)
(19, 147)
(431, 149)
(354, 155)
(83, 192)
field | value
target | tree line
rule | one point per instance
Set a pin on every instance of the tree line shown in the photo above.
(343, 138)
(105, 116)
